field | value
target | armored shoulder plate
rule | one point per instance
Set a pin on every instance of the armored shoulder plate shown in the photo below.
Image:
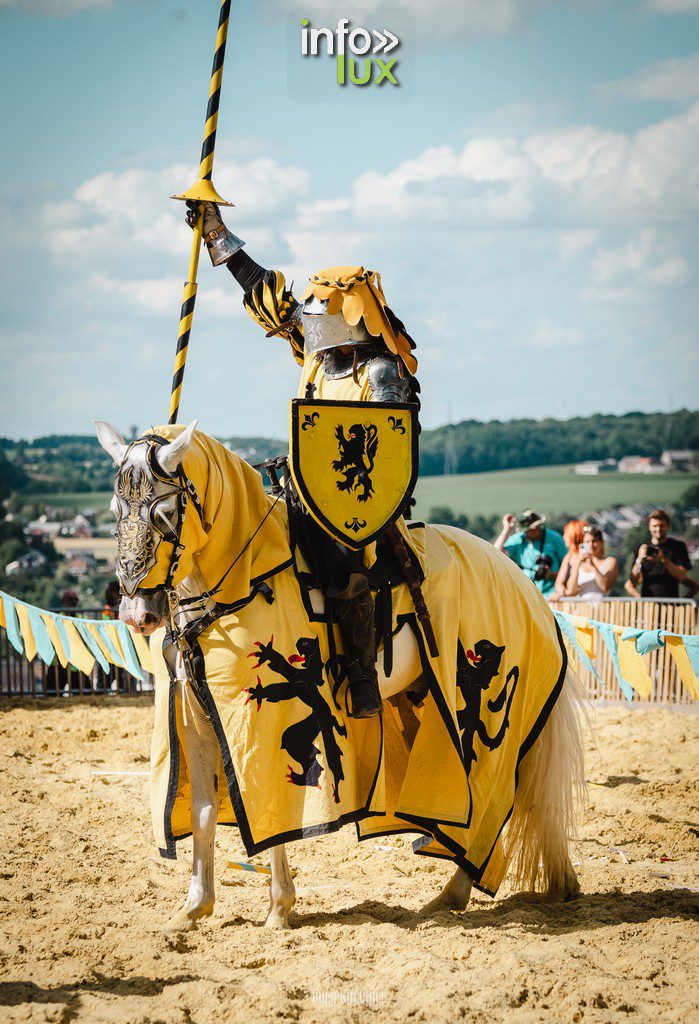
(386, 382)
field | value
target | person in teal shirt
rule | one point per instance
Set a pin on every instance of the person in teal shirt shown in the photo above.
(535, 548)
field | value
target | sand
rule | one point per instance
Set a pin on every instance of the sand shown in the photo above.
(83, 893)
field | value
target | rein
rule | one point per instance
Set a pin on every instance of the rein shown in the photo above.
(187, 635)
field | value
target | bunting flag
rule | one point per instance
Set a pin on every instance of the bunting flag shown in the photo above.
(35, 632)
(627, 647)
(79, 642)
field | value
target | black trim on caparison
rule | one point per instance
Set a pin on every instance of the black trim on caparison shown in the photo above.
(431, 826)
(252, 848)
(529, 742)
(170, 838)
(428, 826)
(297, 404)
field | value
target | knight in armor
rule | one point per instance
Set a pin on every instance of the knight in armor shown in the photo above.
(351, 348)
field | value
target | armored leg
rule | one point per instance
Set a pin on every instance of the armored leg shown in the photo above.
(356, 614)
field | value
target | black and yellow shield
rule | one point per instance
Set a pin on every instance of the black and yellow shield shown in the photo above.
(354, 464)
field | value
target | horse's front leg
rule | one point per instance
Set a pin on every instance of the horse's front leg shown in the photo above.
(201, 752)
(282, 892)
(454, 896)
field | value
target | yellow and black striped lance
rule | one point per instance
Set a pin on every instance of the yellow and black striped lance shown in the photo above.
(204, 191)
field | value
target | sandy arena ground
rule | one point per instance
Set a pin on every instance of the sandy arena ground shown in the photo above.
(83, 893)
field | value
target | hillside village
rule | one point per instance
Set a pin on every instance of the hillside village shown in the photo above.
(50, 546)
(671, 461)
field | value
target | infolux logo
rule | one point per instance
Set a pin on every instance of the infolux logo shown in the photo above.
(355, 51)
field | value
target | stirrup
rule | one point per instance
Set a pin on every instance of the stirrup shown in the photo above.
(366, 698)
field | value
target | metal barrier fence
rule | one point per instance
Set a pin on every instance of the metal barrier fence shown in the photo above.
(674, 615)
(22, 678)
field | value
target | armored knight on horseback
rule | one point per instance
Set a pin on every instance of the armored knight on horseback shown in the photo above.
(240, 641)
(351, 348)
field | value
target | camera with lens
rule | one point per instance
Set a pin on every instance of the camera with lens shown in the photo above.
(542, 566)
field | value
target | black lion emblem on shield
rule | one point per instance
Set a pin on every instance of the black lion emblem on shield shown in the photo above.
(357, 456)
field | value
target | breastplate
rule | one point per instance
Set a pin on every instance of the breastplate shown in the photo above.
(337, 365)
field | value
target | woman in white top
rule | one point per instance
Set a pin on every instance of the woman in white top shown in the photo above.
(592, 575)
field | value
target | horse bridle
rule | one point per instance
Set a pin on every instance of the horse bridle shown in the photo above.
(185, 637)
(168, 531)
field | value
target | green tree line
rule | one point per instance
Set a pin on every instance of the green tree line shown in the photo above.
(479, 447)
(73, 463)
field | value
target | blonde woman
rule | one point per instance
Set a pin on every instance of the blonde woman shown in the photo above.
(592, 573)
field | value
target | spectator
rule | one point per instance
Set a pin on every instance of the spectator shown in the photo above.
(659, 565)
(538, 551)
(592, 574)
(112, 600)
(573, 537)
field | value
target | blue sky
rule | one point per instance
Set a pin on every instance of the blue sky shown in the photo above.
(529, 195)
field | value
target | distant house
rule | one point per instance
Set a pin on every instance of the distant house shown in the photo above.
(44, 528)
(641, 464)
(79, 563)
(594, 468)
(29, 562)
(615, 522)
(680, 459)
(80, 527)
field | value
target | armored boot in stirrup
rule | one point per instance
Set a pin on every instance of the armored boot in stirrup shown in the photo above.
(355, 607)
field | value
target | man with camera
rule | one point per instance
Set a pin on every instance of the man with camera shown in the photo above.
(537, 550)
(659, 565)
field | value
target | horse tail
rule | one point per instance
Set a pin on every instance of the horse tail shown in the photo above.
(551, 787)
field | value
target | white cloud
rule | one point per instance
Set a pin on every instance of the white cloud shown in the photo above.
(674, 6)
(160, 295)
(441, 19)
(59, 8)
(629, 296)
(676, 80)
(572, 244)
(470, 17)
(115, 216)
(571, 176)
(612, 204)
(552, 336)
(646, 259)
(557, 242)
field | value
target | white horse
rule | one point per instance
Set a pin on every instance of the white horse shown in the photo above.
(550, 775)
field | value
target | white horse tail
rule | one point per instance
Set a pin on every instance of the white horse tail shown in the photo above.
(551, 789)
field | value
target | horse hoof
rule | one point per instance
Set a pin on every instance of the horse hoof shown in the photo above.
(571, 890)
(445, 901)
(278, 921)
(185, 920)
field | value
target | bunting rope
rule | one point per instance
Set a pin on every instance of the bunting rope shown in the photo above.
(79, 642)
(85, 642)
(627, 646)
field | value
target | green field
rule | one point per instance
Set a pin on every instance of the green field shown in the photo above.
(550, 489)
(85, 499)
